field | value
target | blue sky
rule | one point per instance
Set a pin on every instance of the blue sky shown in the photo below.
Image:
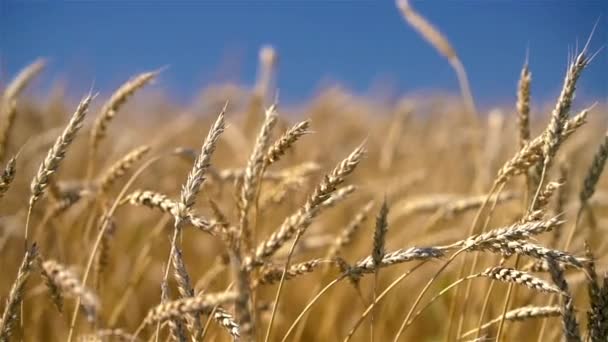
(362, 45)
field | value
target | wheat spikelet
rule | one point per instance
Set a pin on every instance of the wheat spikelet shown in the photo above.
(272, 275)
(107, 335)
(421, 205)
(162, 202)
(253, 172)
(243, 306)
(15, 297)
(559, 115)
(510, 275)
(393, 137)
(299, 171)
(57, 152)
(186, 291)
(153, 200)
(508, 248)
(102, 258)
(179, 308)
(177, 330)
(595, 171)
(268, 60)
(196, 177)
(575, 122)
(69, 286)
(8, 175)
(562, 196)
(541, 265)
(54, 290)
(279, 193)
(5, 127)
(112, 106)
(443, 46)
(380, 234)
(121, 167)
(544, 197)
(338, 196)
(594, 313)
(532, 152)
(346, 235)
(69, 197)
(523, 105)
(599, 321)
(303, 217)
(23, 78)
(459, 206)
(285, 142)
(571, 327)
(367, 264)
(521, 314)
(225, 320)
(513, 232)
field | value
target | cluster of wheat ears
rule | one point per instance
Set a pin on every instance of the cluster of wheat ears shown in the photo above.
(262, 239)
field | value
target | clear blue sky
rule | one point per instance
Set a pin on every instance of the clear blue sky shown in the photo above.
(359, 44)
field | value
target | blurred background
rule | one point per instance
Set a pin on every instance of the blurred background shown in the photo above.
(359, 72)
(364, 46)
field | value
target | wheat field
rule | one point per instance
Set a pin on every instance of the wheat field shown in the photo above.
(122, 219)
